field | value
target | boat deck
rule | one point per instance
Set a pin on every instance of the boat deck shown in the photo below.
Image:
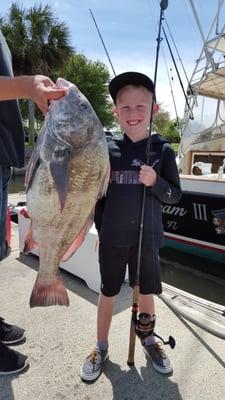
(209, 184)
(59, 338)
(208, 177)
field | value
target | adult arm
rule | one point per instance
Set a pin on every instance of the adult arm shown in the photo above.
(39, 88)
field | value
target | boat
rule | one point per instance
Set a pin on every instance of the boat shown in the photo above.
(196, 224)
(206, 314)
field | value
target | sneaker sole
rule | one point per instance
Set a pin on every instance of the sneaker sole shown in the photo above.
(9, 342)
(163, 371)
(94, 376)
(26, 364)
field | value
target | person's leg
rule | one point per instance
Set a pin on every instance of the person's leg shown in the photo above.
(5, 174)
(92, 366)
(146, 304)
(104, 317)
(150, 284)
(11, 361)
(112, 268)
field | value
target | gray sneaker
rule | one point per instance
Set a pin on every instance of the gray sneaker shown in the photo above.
(92, 366)
(159, 359)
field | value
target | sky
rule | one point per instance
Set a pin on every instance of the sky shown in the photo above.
(129, 30)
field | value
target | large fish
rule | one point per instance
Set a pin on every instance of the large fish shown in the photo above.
(67, 173)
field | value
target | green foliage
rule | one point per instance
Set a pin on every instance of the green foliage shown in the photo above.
(38, 41)
(166, 127)
(92, 78)
(175, 147)
(161, 119)
(39, 44)
(171, 132)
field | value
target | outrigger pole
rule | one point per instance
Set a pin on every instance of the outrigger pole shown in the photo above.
(136, 290)
(181, 84)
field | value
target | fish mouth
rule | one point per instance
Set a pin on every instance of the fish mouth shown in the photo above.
(63, 83)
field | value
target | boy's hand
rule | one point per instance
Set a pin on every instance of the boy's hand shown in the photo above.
(147, 175)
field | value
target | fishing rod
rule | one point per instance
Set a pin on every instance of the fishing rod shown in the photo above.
(99, 33)
(136, 289)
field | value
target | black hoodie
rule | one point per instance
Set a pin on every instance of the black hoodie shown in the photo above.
(117, 216)
(11, 129)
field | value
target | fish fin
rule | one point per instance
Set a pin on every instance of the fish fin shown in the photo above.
(79, 238)
(104, 184)
(59, 167)
(24, 213)
(33, 163)
(49, 292)
(29, 242)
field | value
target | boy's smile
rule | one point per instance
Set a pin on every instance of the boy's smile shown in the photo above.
(133, 122)
(133, 109)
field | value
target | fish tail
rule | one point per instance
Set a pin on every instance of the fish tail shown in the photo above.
(49, 292)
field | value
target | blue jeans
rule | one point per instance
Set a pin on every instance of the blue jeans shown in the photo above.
(5, 173)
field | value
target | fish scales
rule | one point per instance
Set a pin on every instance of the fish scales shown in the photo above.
(67, 173)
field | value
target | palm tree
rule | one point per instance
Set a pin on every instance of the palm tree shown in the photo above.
(38, 41)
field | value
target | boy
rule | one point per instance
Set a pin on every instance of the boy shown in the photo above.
(117, 216)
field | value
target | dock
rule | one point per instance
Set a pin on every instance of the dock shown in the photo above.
(59, 338)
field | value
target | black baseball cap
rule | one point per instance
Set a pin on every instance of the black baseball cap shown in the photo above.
(129, 78)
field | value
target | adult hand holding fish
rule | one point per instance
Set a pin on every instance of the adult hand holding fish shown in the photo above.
(43, 90)
(67, 173)
(39, 88)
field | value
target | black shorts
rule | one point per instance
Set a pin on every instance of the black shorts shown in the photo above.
(113, 262)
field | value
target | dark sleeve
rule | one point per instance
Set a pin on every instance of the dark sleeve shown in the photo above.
(99, 208)
(167, 188)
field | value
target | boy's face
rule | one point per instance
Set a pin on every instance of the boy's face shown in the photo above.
(133, 109)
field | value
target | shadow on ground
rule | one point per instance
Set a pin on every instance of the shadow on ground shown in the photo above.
(79, 287)
(148, 384)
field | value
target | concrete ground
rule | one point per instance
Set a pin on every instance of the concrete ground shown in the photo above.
(59, 338)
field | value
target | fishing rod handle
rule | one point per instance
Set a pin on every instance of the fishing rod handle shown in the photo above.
(132, 341)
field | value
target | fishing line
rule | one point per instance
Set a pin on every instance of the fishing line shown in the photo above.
(179, 57)
(136, 289)
(182, 86)
(101, 38)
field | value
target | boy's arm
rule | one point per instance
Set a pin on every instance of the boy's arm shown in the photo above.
(167, 187)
